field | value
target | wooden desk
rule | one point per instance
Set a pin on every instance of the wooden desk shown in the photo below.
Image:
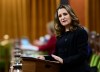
(37, 65)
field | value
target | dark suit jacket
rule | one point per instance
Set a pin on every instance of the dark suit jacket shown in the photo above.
(72, 47)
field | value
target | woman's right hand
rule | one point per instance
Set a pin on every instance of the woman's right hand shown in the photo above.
(41, 57)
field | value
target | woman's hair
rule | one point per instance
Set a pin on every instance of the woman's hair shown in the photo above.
(74, 22)
(50, 26)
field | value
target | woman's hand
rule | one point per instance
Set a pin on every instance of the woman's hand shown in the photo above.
(57, 58)
(41, 57)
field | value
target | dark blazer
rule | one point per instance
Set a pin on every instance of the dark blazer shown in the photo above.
(72, 47)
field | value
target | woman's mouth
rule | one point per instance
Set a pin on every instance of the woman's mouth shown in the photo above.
(64, 21)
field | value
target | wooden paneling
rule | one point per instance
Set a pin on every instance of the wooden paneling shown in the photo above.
(37, 65)
(42, 11)
(13, 18)
(79, 8)
(94, 15)
(19, 18)
(88, 12)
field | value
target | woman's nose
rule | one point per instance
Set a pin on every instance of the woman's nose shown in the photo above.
(62, 17)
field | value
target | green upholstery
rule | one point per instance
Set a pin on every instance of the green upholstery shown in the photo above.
(4, 56)
(94, 60)
(98, 66)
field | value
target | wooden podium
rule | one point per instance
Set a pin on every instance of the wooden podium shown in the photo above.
(37, 65)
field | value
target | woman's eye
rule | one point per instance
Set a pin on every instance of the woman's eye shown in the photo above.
(59, 15)
(64, 13)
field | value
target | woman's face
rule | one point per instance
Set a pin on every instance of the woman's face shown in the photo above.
(64, 17)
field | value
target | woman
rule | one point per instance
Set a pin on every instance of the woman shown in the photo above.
(49, 45)
(72, 42)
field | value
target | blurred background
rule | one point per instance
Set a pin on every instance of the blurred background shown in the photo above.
(28, 18)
